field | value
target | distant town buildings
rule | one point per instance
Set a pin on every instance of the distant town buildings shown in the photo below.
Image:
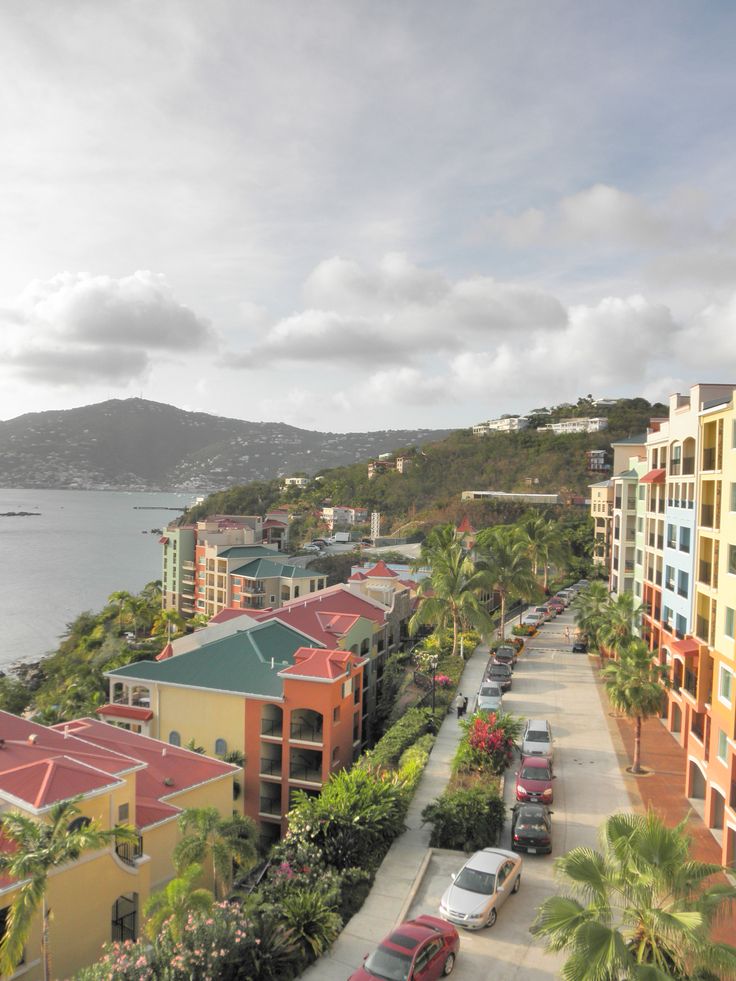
(386, 463)
(506, 424)
(512, 424)
(527, 498)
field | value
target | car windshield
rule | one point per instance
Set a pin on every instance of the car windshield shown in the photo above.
(476, 881)
(538, 737)
(502, 670)
(535, 773)
(531, 826)
(490, 691)
(389, 964)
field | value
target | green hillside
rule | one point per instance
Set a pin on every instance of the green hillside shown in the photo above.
(430, 489)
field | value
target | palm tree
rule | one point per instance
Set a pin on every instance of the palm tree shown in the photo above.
(640, 908)
(452, 593)
(505, 557)
(227, 841)
(36, 849)
(589, 607)
(173, 905)
(634, 684)
(120, 600)
(618, 623)
(544, 543)
(168, 622)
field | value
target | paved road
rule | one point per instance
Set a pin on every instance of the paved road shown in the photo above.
(552, 683)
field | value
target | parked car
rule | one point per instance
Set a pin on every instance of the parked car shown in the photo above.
(532, 619)
(531, 829)
(309, 547)
(481, 887)
(580, 647)
(425, 947)
(501, 674)
(319, 542)
(534, 780)
(545, 611)
(490, 697)
(537, 739)
(505, 654)
(557, 604)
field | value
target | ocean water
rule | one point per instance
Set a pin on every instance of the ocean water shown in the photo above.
(83, 546)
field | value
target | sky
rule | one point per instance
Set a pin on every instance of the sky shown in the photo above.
(362, 215)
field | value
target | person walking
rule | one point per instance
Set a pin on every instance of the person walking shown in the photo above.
(459, 703)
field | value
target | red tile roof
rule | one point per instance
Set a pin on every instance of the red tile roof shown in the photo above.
(381, 571)
(273, 523)
(318, 615)
(465, 526)
(137, 712)
(229, 614)
(314, 662)
(357, 577)
(167, 652)
(46, 781)
(685, 648)
(411, 583)
(653, 477)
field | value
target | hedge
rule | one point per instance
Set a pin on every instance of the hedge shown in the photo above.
(466, 819)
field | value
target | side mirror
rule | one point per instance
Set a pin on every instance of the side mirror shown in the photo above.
(554, 776)
(453, 876)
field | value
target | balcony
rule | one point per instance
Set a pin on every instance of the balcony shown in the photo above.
(270, 805)
(129, 851)
(270, 767)
(707, 515)
(688, 466)
(709, 458)
(705, 571)
(272, 727)
(701, 628)
(690, 683)
(617, 504)
(306, 766)
(306, 726)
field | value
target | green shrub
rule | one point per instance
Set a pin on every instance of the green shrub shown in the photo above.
(386, 754)
(465, 819)
(413, 761)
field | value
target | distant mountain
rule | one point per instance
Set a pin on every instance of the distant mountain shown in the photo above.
(135, 444)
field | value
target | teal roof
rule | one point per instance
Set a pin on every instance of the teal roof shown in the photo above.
(630, 439)
(267, 569)
(240, 663)
(245, 552)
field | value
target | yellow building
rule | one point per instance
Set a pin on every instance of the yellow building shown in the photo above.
(120, 778)
(711, 737)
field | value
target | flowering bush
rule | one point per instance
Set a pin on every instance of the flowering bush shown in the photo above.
(524, 630)
(488, 742)
(442, 681)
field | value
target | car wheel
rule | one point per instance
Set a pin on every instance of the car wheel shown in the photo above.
(517, 884)
(491, 918)
(448, 965)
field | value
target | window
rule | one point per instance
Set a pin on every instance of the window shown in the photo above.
(684, 539)
(78, 824)
(123, 813)
(640, 525)
(642, 492)
(728, 628)
(683, 582)
(669, 578)
(732, 505)
(666, 614)
(220, 747)
(680, 625)
(722, 745)
(336, 714)
(732, 560)
(671, 536)
(174, 738)
(347, 687)
(725, 685)
(639, 556)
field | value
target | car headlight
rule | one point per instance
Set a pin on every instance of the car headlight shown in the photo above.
(548, 792)
(521, 790)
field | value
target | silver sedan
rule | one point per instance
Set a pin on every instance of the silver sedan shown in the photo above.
(480, 888)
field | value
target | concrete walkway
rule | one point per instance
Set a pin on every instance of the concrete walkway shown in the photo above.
(393, 890)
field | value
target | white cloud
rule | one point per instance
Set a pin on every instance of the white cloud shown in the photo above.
(409, 386)
(77, 328)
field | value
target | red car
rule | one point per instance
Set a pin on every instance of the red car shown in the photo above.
(534, 780)
(557, 604)
(424, 948)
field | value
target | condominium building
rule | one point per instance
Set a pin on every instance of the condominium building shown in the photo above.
(601, 511)
(115, 778)
(577, 425)
(335, 517)
(292, 706)
(682, 498)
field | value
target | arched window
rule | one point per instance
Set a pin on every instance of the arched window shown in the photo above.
(174, 738)
(220, 747)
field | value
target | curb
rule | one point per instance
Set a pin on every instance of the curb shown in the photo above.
(414, 889)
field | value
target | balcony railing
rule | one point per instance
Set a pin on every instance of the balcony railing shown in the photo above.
(306, 732)
(129, 851)
(269, 805)
(688, 466)
(709, 458)
(690, 683)
(704, 573)
(272, 727)
(271, 767)
(696, 726)
(301, 771)
(701, 628)
(707, 512)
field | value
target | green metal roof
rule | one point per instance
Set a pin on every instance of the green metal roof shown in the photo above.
(245, 552)
(240, 663)
(630, 439)
(268, 569)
